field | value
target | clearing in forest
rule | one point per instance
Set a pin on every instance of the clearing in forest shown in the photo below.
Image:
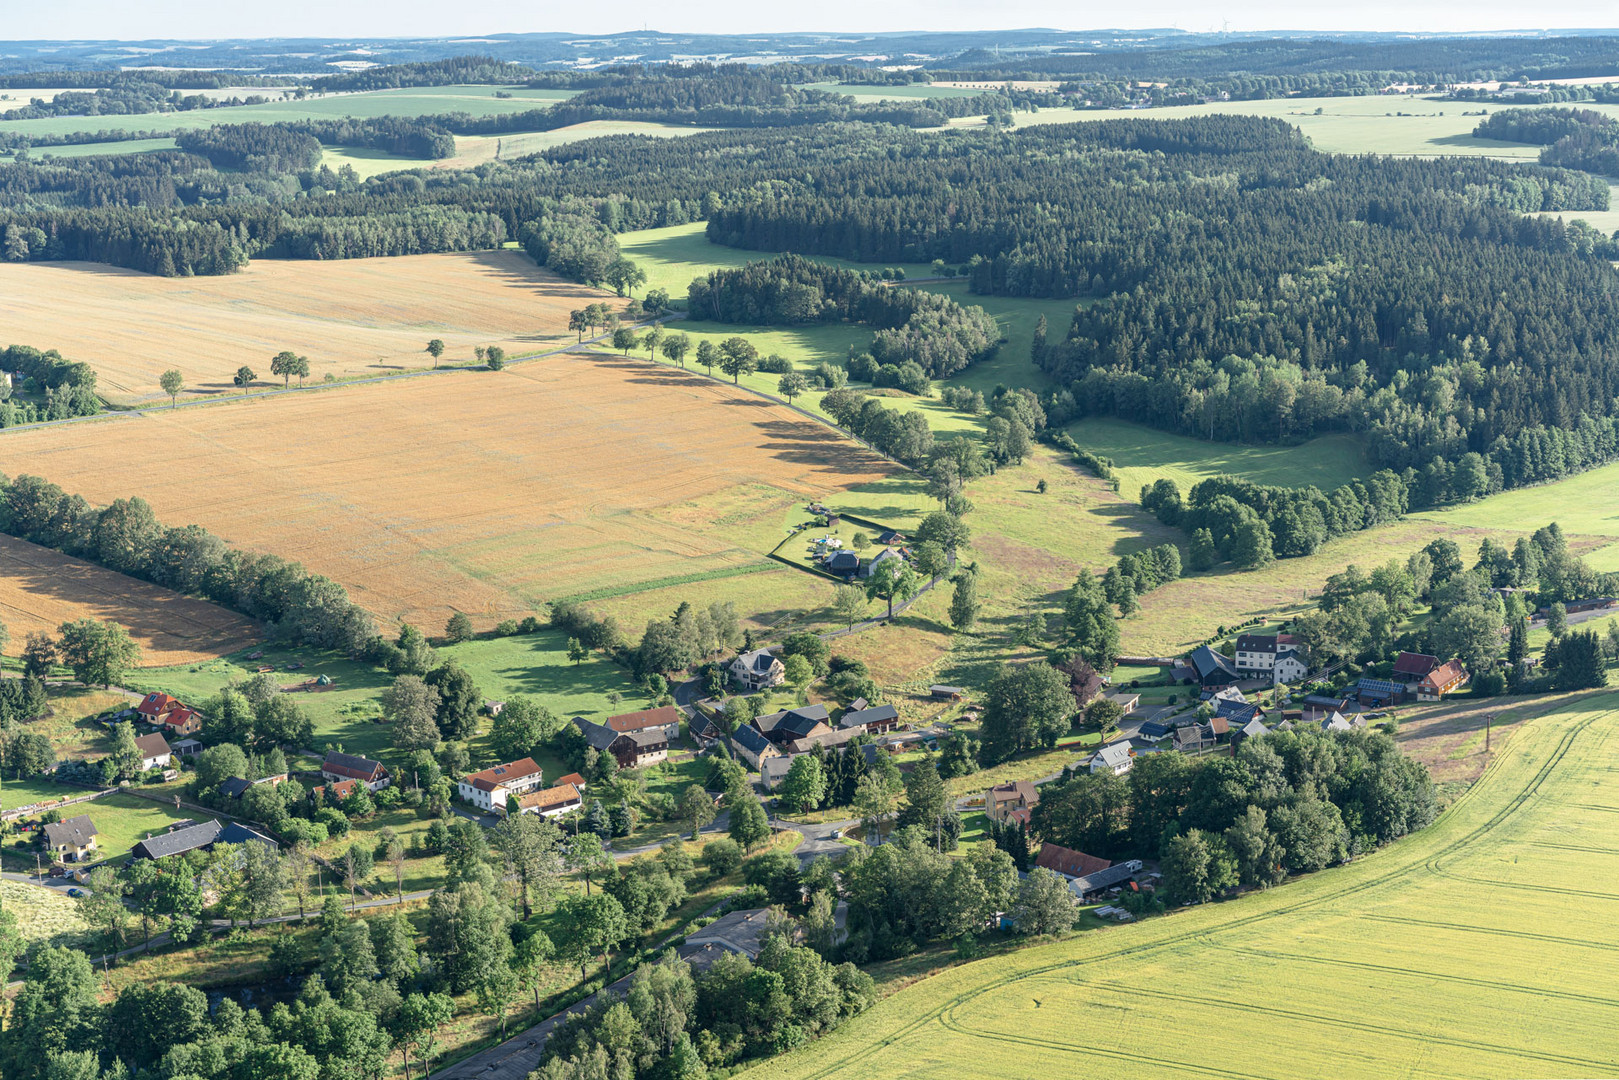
(488, 492)
(352, 317)
(40, 589)
(1435, 957)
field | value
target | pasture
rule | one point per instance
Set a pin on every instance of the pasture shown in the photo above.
(352, 318)
(1583, 505)
(411, 101)
(533, 664)
(1446, 954)
(484, 492)
(1142, 455)
(40, 589)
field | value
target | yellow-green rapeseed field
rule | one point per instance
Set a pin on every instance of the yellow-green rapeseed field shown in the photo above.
(1484, 946)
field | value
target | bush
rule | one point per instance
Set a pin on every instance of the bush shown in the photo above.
(722, 856)
(506, 628)
(776, 365)
(529, 625)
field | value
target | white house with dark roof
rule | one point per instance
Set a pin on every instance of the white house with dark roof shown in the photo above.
(1114, 758)
(154, 751)
(758, 670)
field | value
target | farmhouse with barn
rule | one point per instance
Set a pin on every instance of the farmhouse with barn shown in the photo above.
(631, 749)
(338, 766)
(488, 789)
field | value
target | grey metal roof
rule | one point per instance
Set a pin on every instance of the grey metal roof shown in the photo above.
(237, 833)
(1106, 879)
(178, 842)
(1208, 662)
(234, 787)
(599, 736)
(876, 714)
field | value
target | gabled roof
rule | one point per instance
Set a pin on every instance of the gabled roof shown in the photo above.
(1261, 643)
(750, 739)
(1336, 722)
(572, 778)
(598, 736)
(1152, 729)
(157, 703)
(177, 717)
(338, 789)
(1219, 725)
(1449, 672)
(1114, 754)
(500, 775)
(843, 560)
(1108, 877)
(550, 798)
(1208, 662)
(1414, 664)
(1236, 711)
(829, 739)
(1068, 862)
(179, 841)
(1255, 728)
(153, 745)
(792, 723)
(775, 767)
(1190, 733)
(740, 932)
(360, 768)
(1017, 789)
(234, 787)
(75, 832)
(875, 714)
(662, 716)
(651, 737)
(237, 833)
(759, 661)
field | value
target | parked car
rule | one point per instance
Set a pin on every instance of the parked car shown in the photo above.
(77, 893)
(835, 834)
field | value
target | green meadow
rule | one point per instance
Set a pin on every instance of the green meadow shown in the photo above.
(1448, 953)
(415, 101)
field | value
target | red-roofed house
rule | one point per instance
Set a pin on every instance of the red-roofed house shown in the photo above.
(490, 788)
(1441, 681)
(551, 801)
(1068, 862)
(336, 791)
(572, 778)
(340, 766)
(154, 705)
(665, 718)
(181, 721)
(1410, 667)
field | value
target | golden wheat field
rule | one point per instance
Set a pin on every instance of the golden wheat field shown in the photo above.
(40, 589)
(1481, 947)
(350, 317)
(479, 491)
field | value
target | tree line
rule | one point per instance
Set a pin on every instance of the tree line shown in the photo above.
(929, 329)
(126, 536)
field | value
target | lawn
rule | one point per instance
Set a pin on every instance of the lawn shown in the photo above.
(35, 789)
(121, 820)
(1142, 455)
(532, 664)
(71, 727)
(1450, 933)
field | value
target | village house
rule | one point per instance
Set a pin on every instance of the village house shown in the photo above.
(752, 747)
(1115, 758)
(178, 841)
(551, 802)
(1236, 713)
(72, 840)
(488, 789)
(1253, 729)
(1320, 707)
(1193, 739)
(155, 706)
(1257, 654)
(871, 564)
(154, 750)
(758, 670)
(1089, 886)
(1124, 699)
(1212, 669)
(333, 793)
(1002, 799)
(665, 718)
(792, 724)
(873, 719)
(1379, 693)
(339, 766)
(1068, 862)
(572, 778)
(1411, 667)
(631, 749)
(773, 770)
(829, 739)
(178, 723)
(1441, 681)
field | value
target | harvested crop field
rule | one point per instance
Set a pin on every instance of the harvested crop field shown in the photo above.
(1478, 947)
(479, 491)
(351, 317)
(40, 589)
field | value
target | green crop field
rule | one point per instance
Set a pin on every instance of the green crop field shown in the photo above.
(1142, 455)
(1479, 947)
(416, 101)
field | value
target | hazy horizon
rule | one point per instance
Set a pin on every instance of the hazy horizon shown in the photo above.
(117, 20)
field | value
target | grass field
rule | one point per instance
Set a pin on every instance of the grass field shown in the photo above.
(351, 317)
(1142, 455)
(414, 101)
(1582, 505)
(40, 589)
(1436, 957)
(42, 915)
(485, 492)
(122, 821)
(35, 789)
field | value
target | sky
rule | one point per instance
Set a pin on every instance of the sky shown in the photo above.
(123, 19)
